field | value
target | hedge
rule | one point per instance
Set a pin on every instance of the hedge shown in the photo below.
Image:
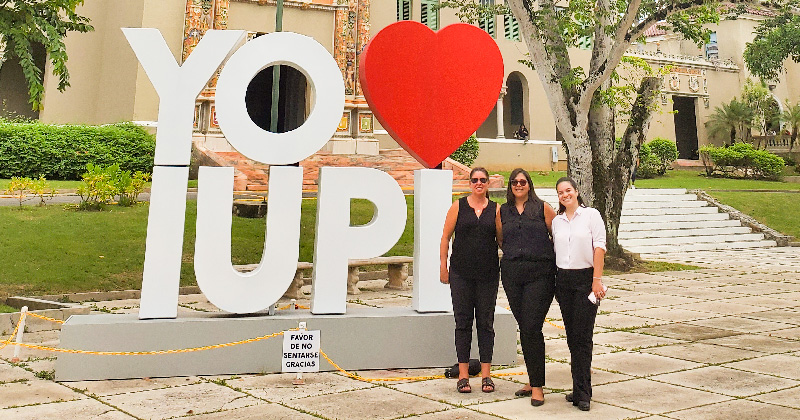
(742, 160)
(467, 152)
(63, 151)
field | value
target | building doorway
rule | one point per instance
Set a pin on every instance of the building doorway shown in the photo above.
(514, 104)
(292, 101)
(685, 126)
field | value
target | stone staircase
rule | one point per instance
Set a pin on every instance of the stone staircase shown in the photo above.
(254, 176)
(672, 220)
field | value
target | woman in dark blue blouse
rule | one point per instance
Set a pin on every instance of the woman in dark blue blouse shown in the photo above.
(528, 272)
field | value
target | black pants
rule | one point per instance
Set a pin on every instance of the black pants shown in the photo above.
(572, 292)
(529, 287)
(474, 299)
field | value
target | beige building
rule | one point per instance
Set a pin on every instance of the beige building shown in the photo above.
(108, 85)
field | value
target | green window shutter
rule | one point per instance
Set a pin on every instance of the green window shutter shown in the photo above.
(511, 27)
(403, 10)
(429, 16)
(487, 24)
(585, 43)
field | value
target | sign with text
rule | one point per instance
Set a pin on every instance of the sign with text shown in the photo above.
(300, 351)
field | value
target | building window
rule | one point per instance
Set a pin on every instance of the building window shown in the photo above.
(512, 27)
(429, 15)
(487, 24)
(403, 10)
(712, 52)
(584, 43)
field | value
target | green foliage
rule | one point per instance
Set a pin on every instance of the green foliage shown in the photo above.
(101, 184)
(791, 118)
(24, 22)
(129, 186)
(21, 187)
(759, 99)
(731, 121)
(648, 163)
(742, 160)
(776, 39)
(665, 152)
(98, 186)
(467, 152)
(63, 151)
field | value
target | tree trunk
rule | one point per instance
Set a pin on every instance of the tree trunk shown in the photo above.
(614, 163)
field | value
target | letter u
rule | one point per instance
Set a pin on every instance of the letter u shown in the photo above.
(224, 286)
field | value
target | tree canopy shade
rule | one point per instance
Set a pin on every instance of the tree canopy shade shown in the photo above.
(776, 39)
(25, 22)
(584, 100)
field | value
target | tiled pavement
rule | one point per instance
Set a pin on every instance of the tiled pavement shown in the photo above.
(716, 343)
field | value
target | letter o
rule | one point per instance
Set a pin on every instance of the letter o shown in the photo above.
(327, 87)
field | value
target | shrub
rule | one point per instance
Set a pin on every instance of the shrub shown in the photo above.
(20, 187)
(467, 152)
(648, 163)
(665, 151)
(743, 160)
(102, 184)
(63, 151)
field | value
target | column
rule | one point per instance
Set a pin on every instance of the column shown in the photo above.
(500, 128)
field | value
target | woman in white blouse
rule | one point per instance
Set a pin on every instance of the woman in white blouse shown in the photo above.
(579, 238)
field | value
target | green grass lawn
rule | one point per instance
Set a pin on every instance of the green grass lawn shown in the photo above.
(778, 210)
(691, 180)
(50, 250)
(684, 178)
(58, 185)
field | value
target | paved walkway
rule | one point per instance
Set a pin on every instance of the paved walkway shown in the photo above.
(716, 343)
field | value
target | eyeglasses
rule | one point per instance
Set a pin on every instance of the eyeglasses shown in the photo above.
(520, 182)
(481, 180)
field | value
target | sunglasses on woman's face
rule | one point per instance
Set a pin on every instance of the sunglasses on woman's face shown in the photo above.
(520, 182)
(481, 180)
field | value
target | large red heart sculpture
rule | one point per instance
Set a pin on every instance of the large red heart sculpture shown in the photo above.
(431, 90)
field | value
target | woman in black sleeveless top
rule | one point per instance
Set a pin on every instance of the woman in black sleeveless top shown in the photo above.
(529, 270)
(473, 274)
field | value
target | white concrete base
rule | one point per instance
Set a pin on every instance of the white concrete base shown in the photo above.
(364, 338)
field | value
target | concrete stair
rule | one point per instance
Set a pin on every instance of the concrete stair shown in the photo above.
(254, 176)
(672, 220)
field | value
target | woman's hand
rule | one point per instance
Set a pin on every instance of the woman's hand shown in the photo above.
(598, 289)
(444, 275)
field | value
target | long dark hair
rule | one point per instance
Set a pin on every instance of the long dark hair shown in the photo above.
(510, 194)
(478, 169)
(561, 208)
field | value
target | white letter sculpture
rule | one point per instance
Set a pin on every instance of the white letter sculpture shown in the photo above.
(225, 287)
(336, 241)
(177, 88)
(433, 189)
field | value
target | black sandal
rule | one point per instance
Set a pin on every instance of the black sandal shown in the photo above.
(463, 386)
(487, 383)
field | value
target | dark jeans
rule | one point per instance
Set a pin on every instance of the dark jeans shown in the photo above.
(474, 299)
(529, 287)
(572, 293)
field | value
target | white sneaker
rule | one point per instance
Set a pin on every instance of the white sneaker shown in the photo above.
(633, 187)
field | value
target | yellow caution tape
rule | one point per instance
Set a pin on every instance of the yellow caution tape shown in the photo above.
(44, 317)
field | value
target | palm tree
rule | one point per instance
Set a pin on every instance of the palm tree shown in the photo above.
(731, 119)
(791, 117)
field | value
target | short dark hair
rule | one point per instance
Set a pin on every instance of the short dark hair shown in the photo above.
(510, 194)
(561, 208)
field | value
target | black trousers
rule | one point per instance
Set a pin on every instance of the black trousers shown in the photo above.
(474, 299)
(572, 293)
(529, 287)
